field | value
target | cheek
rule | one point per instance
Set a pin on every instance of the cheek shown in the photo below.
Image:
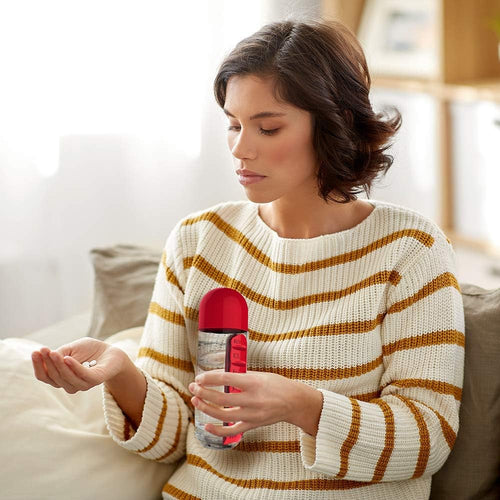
(279, 154)
(289, 149)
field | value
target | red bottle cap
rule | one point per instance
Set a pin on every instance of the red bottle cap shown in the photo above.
(223, 308)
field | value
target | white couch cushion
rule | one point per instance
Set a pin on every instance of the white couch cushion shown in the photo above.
(56, 445)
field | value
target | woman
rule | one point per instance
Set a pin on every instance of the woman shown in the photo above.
(355, 316)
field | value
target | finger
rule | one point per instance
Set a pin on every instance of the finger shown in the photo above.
(82, 372)
(217, 378)
(252, 417)
(71, 380)
(229, 430)
(216, 397)
(224, 414)
(40, 370)
(53, 371)
(76, 348)
(49, 366)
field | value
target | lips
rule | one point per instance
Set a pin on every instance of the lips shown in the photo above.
(247, 177)
(248, 173)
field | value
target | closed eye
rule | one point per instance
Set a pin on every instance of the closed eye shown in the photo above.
(262, 131)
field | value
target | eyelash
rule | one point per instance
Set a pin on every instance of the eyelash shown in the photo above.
(262, 131)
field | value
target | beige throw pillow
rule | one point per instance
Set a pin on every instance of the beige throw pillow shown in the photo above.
(124, 280)
(472, 470)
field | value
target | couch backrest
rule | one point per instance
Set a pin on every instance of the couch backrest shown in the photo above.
(472, 470)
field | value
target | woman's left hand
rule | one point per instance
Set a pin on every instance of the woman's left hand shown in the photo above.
(265, 398)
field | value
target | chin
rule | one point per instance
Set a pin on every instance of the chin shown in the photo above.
(256, 197)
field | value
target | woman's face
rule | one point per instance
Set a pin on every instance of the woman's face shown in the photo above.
(279, 148)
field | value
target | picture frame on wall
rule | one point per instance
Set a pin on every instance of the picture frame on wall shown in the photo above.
(401, 38)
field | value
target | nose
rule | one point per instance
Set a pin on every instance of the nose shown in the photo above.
(241, 146)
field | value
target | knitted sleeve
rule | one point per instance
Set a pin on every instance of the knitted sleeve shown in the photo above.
(165, 361)
(409, 430)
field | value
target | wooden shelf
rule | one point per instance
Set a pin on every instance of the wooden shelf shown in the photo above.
(475, 244)
(469, 71)
(488, 90)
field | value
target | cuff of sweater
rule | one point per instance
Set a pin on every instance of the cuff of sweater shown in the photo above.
(117, 422)
(322, 453)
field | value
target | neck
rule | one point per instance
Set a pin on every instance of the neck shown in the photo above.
(312, 218)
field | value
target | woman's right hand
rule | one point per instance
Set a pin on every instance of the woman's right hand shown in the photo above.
(63, 366)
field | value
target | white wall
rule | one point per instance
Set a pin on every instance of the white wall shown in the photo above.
(111, 186)
(413, 179)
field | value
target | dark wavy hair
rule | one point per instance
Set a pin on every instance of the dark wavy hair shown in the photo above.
(319, 66)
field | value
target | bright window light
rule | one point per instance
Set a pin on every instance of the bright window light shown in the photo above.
(101, 67)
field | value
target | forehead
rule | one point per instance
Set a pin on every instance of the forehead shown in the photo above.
(249, 93)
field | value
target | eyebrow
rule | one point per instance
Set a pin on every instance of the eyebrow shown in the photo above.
(262, 114)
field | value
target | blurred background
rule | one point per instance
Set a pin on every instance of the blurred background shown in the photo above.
(109, 131)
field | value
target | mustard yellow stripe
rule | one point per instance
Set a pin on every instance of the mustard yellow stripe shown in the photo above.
(354, 327)
(178, 363)
(425, 443)
(439, 337)
(169, 274)
(224, 280)
(184, 395)
(305, 484)
(238, 237)
(176, 437)
(269, 446)
(442, 281)
(165, 314)
(351, 439)
(385, 456)
(159, 426)
(346, 328)
(448, 432)
(433, 385)
(321, 373)
(177, 493)
(191, 313)
(367, 396)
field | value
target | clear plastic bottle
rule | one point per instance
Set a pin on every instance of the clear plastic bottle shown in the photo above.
(222, 344)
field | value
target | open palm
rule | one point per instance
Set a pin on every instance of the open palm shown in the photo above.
(62, 368)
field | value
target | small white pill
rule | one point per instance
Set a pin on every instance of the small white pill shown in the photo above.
(86, 364)
(93, 362)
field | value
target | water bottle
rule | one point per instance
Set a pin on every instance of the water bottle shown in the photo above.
(222, 344)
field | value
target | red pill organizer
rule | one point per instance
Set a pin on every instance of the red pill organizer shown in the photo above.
(222, 344)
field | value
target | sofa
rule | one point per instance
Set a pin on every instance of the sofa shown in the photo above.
(56, 446)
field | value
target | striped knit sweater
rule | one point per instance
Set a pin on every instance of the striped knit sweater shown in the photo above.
(371, 316)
